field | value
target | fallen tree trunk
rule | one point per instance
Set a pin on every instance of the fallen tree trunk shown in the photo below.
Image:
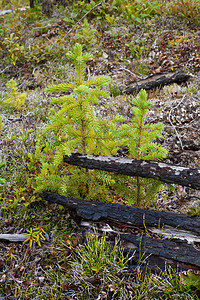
(157, 252)
(167, 173)
(157, 81)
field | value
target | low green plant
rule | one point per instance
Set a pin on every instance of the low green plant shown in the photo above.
(16, 99)
(137, 10)
(140, 137)
(194, 210)
(188, 9)
(15, 51)
(96, 256)
(140, 66)
(98, 259)
(114, 90)
(191, 278)
(35, 236)
(167, 285)
(21, 48)
(8, 4)
(98, 264)
(136, 49)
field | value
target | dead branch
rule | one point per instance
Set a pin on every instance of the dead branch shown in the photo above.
(5, 237)
(157, 81)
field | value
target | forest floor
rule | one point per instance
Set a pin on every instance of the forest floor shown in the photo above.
(33, 49)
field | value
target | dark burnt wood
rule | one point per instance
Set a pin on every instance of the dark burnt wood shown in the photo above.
(157, 81)
(156, 252)
(95, 211)
(159, 254)
(167, 173)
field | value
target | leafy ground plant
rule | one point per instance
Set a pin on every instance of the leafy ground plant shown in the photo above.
(190, 10)
(139, 10)
(191, 278)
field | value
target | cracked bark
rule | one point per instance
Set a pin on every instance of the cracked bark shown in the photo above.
(167, 173)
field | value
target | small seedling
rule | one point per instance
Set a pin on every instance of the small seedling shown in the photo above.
(16, 99)
(10, 255)
(76, 128)
(35, 235)
(87, 36)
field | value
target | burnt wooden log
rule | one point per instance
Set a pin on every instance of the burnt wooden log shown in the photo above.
(157, 81)
(156, 252)
(159, 253)
(167, 173)
(95, 211)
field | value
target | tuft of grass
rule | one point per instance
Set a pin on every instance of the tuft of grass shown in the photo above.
(98, 264)
(114, 90)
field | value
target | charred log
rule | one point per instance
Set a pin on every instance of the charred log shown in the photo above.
(157, 81)
(95, 211)
(167, 173)
(156, 253)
